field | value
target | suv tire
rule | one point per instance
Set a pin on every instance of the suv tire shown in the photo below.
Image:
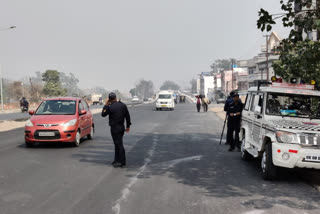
(269, 170)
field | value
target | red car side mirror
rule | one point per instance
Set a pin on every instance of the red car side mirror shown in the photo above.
(83, 112)
(31, 113)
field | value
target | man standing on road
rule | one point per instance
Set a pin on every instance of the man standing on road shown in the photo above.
(228, 102)
(205, 103)
(234, 121)
(117, 112)
(198, 103)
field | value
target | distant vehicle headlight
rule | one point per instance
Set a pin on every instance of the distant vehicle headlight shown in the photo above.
(286, 137)
(70, 123)
(29, 123)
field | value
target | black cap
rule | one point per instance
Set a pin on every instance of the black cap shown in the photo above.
(232, 93)
(112, 96)
(235, 94)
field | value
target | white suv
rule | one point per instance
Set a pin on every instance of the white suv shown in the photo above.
(165, 101)
(281, 125)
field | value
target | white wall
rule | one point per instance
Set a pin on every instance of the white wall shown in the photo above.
(208, 83)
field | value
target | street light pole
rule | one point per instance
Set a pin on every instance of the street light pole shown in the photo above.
(267, 55)
(1, 76)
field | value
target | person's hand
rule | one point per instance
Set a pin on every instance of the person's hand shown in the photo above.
(238, 113)
(231, 114)
(127, 130)
(107, 102)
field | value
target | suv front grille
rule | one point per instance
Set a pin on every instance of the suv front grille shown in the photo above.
(55, 137)
(163, 102)
(309, 139)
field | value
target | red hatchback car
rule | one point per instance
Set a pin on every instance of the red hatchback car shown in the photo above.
(61, 119)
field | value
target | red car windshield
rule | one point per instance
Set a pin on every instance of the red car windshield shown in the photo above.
(57, 107)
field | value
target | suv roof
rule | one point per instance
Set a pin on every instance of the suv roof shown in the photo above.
(285, 90)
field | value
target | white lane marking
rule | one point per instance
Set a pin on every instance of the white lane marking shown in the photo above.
(172, 163)
(254, 212)
(126, 191)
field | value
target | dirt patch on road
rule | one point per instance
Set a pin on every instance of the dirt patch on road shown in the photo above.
(9, 125)
(219, 111)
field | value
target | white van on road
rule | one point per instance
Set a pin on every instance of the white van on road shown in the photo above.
(281, 125)
(165, 101)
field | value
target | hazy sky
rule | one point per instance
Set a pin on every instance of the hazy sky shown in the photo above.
(115, 43)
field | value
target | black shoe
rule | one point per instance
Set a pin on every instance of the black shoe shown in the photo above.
(113, 163)
(230, 149)
(117, 165)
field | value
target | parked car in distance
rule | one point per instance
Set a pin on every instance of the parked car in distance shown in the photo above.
(61, 119)
(135, 99)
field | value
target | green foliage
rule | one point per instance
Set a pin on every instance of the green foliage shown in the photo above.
(169, 85)
(301, 59)
(52, 86)
(294, 14)
(298, 58)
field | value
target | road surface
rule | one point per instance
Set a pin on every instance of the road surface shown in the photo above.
(175, 165)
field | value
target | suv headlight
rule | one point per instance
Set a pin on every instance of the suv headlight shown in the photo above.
(29, 123)
(70, 123)
(286, 137)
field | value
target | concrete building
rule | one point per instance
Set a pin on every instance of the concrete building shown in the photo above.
(257, 66)
(206, 83)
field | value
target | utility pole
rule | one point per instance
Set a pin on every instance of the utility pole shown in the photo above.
(267, 55)
(232, 61)
(1, 77)
(1, 87)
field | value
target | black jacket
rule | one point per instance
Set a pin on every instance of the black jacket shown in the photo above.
(235, 108)
(117, 112)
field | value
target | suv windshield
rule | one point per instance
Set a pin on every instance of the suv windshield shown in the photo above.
(165, 96)
(293, 105)
(57, 107)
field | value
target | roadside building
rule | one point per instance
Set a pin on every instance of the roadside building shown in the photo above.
(206, 83)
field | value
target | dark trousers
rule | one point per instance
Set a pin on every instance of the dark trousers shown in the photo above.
(205, 107)
(119, 151)
(198, 107)
(233, 130)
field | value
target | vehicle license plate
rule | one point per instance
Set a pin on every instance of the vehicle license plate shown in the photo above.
(312, 158)
(46, 134)
(164, 105)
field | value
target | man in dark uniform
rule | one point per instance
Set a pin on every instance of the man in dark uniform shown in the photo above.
(117, 112)
(228, 102)
(234, 121)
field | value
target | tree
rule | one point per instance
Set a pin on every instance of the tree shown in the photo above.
(144, 89)
(133, 92)
(221, 64)
(298, 57)
(169, 85)
(70, 83)
(52, 85)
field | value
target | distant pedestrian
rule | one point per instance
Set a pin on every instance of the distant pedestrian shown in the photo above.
(228, 102)
(205, 103)
(118, 112)
(234, 122)
(198, 103)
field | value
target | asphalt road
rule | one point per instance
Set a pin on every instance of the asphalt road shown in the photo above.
(175, 165)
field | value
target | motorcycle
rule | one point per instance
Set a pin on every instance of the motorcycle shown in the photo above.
(24, 108)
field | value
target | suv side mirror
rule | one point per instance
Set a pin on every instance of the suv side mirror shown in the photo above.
(257, 110)
(83, 112)
(31, 113)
